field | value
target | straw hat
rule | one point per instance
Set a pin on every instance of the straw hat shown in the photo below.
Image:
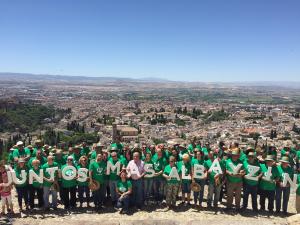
(94, 185)
(20, 143)
(251, 154)
(269, 158)
(195, 187)
(284, 159)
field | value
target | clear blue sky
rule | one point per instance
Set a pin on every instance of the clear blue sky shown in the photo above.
(225, 40)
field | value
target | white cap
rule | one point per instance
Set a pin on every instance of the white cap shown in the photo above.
(20, 143)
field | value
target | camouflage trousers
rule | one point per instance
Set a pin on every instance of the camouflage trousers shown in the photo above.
(171, 193)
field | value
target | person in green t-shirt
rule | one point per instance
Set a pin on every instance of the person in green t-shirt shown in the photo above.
(234, 179)
(97, 172)
(36, 187)
(39, 156)
(124, 190)
(68, 187)
(289, 152)
(186, 178)
(148, 181)
(283, 192)
(48, 182)
(267, 185)
(173, 184)
(215, 184)
(199, 160)
(114, 176)
(251, 183)
(22, 189)
(20, 152)
(159, 164)
(85, 150)
(83, 188)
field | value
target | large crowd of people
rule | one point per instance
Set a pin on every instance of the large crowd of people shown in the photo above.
(131, 177)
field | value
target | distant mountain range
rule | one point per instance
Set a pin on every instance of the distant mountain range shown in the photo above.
(31, 78)
(71, 79)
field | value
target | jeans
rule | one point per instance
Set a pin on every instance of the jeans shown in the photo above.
(148, 185)
(113, 192)
(83, 190)
(99, 195)
(32, 191)
(46, 194)
(201, 192)
(284, 193)
(124, 202)
(213, 193)
(22, 194)
(69, 196)
(250, 190)
(137, 190)
(270, 195)
(158, 186)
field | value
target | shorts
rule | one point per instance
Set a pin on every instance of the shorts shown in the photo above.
(186, 188)
(6, 198)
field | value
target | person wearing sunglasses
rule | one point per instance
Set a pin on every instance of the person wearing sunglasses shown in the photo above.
(83, 188)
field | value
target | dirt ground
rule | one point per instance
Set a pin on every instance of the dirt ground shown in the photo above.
(149, 215)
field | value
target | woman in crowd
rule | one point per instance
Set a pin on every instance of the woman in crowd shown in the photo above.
(185, 169)
(97, 172)
(83, 188)
(199, 160)
(36, 187)
(22, 189)
(173, 183)
(68, 186)
(124, 190)
(148, 181)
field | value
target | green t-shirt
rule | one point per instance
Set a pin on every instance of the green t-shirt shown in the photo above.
(289, 170)
(21, 154)
(159, 165)
(42, 160)
(113, 173)
(18, 175)
(249, 181)
(85, 151)
(93, 156)
(86, 183)
(118, 146)
(35, 183)
(292, 154)
(190, 148)
(233, 179)
(47, 175)
(188, 170)
(68, 183)
(195, 161)
(265, 184)
(167, 172)
(148, 163)
(98, 171)
(62, 161)
(211, 175)
(124, 186)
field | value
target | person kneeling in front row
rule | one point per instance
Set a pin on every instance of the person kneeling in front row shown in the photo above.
(124, 190)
